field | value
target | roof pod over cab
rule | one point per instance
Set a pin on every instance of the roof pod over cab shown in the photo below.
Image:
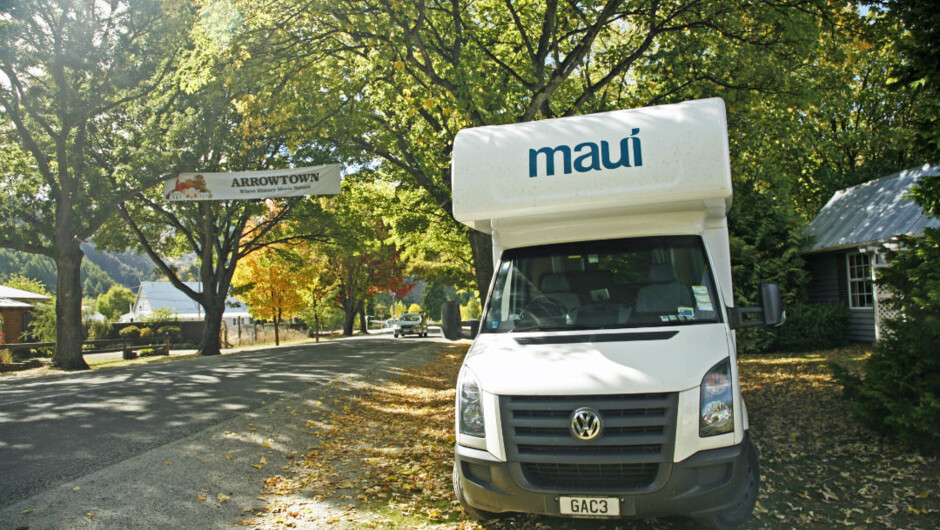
(647, 171)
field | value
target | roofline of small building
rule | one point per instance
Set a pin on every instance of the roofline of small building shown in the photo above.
(859, 244)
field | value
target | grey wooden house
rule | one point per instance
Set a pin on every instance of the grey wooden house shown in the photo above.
(851, 234)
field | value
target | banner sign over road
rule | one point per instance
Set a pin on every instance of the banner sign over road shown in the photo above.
(315, 180)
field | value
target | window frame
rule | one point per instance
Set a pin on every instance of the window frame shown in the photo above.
(861, 290)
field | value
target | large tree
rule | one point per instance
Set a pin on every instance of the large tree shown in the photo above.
(271, 282)
(360, 260)
(83, 85)
(210, 135)
(412, 74)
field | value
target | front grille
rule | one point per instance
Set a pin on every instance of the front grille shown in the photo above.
(590, 476)
(637, 437)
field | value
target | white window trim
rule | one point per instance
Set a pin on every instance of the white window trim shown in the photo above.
(853, 280)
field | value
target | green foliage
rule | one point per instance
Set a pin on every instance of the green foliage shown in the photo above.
(473, 309)
(25, 283)
(919, 46)
(812, 327)
(174, 332)
(43, 270)
(40, 268)
(146, 333)
(130, 332)
(83, 105)
(95, 281)
(115, 302)
(328, 317)
(94, 327)
(432, 245)
(97, 329)
(766, 236)
(160, 316)
(43, 325)
(899, 392)
(433, 297)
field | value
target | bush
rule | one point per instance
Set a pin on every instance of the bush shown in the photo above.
(174, 332)
(6, 357)
(130, 332)
(813, 327)
(146, 333)
(43, 324)
(96, 330)
(899, 391)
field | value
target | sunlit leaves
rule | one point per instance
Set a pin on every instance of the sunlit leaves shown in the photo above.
(271, 282)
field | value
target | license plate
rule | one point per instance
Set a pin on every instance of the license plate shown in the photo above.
(590, 506)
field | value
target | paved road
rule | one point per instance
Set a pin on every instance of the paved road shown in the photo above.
(139, 446)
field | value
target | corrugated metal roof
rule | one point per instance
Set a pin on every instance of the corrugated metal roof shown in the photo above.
(874, 211)
(6, 303)
(19, 294)
(164, 295)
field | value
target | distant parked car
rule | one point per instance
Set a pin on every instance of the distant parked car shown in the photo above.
(411, 323)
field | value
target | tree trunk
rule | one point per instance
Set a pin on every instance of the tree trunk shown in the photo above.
(316, 321)
(482, 247)
(349, 320)
(68, 305)
(363, 325)
(211, 342)
(277, 328)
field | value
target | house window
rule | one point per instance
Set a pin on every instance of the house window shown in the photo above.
(860, 284)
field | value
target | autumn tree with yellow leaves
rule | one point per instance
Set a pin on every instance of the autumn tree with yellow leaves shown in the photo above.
(271, 282)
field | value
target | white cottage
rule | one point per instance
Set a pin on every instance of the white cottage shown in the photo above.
(152, 296)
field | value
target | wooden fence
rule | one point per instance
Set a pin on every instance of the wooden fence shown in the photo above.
(128, 346)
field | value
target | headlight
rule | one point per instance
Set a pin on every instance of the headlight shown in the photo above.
(717, 407)
(469, 407)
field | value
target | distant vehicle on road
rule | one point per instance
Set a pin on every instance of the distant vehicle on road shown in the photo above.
(411, 323)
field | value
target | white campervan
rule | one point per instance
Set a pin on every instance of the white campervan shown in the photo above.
(603, 381)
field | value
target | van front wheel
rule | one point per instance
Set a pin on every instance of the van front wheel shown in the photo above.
(473, 513)
(739, 512)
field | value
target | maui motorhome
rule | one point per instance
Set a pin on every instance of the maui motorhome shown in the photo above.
(603, 381)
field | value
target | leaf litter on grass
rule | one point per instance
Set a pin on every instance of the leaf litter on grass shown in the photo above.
(381, 457)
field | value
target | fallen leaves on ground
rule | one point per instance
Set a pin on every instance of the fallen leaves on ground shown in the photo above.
(381, 457)
(820, 468)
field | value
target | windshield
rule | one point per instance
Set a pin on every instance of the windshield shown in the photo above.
(411, 317)
(651, 281)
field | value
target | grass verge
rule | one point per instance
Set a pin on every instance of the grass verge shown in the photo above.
(383, 459)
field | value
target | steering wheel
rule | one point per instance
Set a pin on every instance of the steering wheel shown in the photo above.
(543, 309)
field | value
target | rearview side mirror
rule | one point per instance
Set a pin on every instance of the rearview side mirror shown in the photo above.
(771, 304)
(770, 312)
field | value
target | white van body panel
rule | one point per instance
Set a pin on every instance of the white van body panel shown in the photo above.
(684, 163)
(636, 367)
(504, 368)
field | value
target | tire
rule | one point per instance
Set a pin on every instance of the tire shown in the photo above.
(739, 512)
(396, 335)
(473, 513)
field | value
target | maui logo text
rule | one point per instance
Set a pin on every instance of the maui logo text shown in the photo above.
(589, 156)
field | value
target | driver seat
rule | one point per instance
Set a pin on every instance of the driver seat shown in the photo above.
(556, 288)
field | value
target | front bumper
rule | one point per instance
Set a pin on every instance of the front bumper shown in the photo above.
(707, 482)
